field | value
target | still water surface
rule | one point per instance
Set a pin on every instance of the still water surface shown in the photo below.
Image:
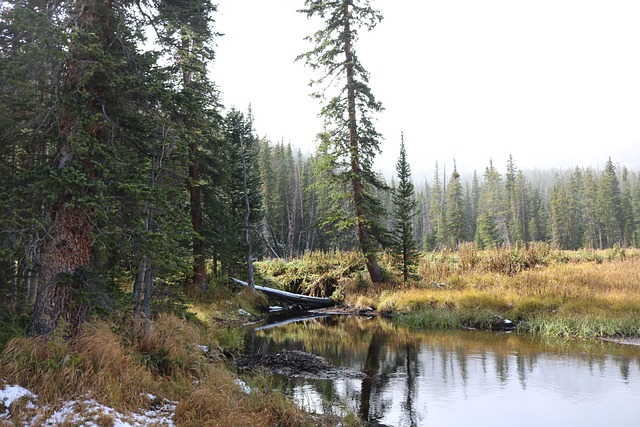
(461, 378)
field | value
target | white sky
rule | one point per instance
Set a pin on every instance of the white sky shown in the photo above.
(556, 83)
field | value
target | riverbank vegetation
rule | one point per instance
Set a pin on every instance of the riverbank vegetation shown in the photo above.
(183, 369)
(542, 290)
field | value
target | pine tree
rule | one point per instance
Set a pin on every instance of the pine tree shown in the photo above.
(609, 205)
(627, 216)
(592, 228)
(492, 227)
(575, 209)
(350, 138)
(241, 143)
(436, 212)
(521, 209)
(472, 212)
(404, 245)
(560, 216)
(454, 213)
(186, 35)
(537, 223)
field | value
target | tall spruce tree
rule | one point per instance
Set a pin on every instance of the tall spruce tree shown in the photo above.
(404, 203)
(454, 213)
(610, 205)
(561, 225)
(233, 244)
(627, 216)
(436, 213)
(350, 138)
(589, 207)
(186, 35)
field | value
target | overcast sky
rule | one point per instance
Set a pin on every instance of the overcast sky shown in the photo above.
(555, 83)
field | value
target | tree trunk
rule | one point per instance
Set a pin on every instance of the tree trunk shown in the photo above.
(198, 246)
(247, 215)
(365, 239)
(66, 251)
(146, 304)
(199, 266)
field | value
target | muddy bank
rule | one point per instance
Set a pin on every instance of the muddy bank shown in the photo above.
(299, 364)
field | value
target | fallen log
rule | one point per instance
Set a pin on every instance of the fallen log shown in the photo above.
(302, 300)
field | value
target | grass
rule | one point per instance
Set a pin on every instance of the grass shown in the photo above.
(546, 291)
(180, 361)
(576, 294)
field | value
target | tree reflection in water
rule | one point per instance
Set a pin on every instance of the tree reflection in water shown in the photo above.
(461, 377)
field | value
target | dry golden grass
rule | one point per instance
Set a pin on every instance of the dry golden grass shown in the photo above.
(120, 372)
(218, 401)
(95, 365)
(602, 291)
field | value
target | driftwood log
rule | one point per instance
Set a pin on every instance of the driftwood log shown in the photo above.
(302, 300)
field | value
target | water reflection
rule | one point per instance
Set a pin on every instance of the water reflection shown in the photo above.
(417, 378)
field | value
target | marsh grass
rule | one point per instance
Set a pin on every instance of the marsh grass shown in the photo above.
(577, 294)
(533, 284)
(586, 293)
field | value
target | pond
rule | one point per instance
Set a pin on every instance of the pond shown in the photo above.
(459, 378)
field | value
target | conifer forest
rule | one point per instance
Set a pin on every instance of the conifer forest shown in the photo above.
(120, 165)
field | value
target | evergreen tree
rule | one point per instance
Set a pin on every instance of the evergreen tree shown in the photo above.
(592, 228)
(521, 209)
(79, 164)
(510, 199)
(492, 227)
(575, 197)
(454, 214)
(609, 205)
(437, 220)
(560, 216)
(241, 142)
(472, 211)
(404, 245)
(185, 32)
(627, 216)
(537, 224)
(350, 138)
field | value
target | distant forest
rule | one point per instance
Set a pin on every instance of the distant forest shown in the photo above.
(571, 209)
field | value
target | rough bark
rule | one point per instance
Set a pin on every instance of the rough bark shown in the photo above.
(65, 252)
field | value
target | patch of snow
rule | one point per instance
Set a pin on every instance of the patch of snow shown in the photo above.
(11, 393)
(86, 413)
(89, 412)
(243, 386)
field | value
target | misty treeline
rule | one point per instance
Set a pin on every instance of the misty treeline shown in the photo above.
(122, 175)
(569, 208)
